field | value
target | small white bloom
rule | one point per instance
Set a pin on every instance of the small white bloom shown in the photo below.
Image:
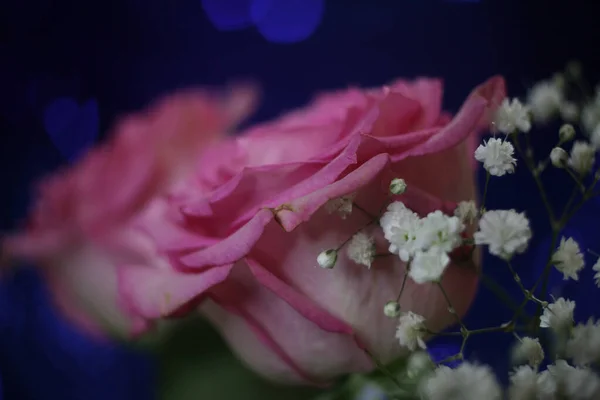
(504, 231)
(467, 211)
(361, 249)
(465, 382)
(391, 309)
(590, 117)
(523, 384)
(428, 265)
(558, 315)
(512, 116)
(341, 205)
(568, 259)
(439, 230)
(418, 363)
(529, 350)
(411, 330)
(559, 157)
(327, 258)
(400, 227)
(595, 137)
(496, 156)
(398, 186)
(582, 157)
(568, 111)
(596, 269)
(575, 382)
(546, 386)
(583, 347)
(566, 133)
(544, 100)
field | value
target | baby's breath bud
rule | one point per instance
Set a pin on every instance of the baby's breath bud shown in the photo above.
(566, 133)
(327, 258)
(391, 309)
(397, 186)
(559, 157)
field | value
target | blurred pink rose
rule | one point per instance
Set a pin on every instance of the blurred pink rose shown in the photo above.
(239, 238)
(104, 214)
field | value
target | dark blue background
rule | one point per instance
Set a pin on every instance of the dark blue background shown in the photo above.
(102, 59)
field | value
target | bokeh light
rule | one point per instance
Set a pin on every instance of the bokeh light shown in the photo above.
(278, 21)
(228, 15)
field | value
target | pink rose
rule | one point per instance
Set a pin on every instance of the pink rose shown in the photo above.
(262, 199)
(105, 214)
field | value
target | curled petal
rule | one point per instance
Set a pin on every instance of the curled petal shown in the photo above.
(473, 116)
(234, 247)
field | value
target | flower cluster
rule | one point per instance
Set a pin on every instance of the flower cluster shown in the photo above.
(378, 173)
(576, 348)
(426, 245)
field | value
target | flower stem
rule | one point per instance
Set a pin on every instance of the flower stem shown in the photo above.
(485, 191)
(535, 175)
(384, 370)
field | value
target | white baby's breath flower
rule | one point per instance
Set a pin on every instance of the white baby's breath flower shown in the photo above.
(523, 384)
(574, 382)
(439, 230)
(546, 386)
(411, 330)
(568, 111)
(400, 226)
(595, 137)
(590, 117)
(544, 100)
(418, 363)
(596, 269)
(341, 205)
(496, 156)
(327, 258)
(512, 116)
(528, 350)
(361, 249)
(559, 157)
(467, 211)
(568, 259)
(558, 315)
(465, 382)
(428, 265)
(582, 157)
(504, 231)
(583, 347)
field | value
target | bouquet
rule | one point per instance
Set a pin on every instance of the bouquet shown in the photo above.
(328, 243)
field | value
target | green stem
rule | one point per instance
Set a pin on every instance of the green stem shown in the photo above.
(536, 178)
(384, 370)
(485, 191)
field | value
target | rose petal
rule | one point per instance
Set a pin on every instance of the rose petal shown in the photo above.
(267, 330)
(153, 293)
